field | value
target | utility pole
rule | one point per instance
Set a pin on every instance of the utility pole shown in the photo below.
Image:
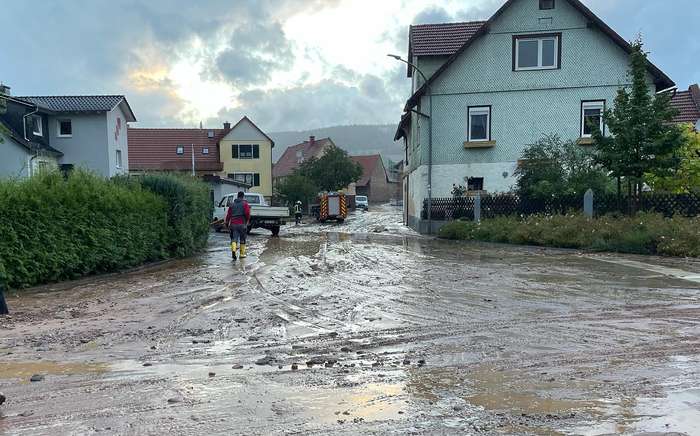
(194, 173)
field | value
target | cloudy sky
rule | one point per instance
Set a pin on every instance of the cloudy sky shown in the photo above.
(289, 64)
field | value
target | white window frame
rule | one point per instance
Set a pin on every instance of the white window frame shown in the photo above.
(596, 104)
(205, 150)
(118, 159)
(479, 110)
(180, 150)
(58, 127)
(539, 39)
(40, 124)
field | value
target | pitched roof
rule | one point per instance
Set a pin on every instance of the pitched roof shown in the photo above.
(29, 145)
(439, 39)
(662, 81)
(295, 154)
(368, 164)
(245, 118)
(688, 105)
(156, 149)
(80, 103)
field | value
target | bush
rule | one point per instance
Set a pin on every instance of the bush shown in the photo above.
(189, 211)
(54, 229)
(644, 233)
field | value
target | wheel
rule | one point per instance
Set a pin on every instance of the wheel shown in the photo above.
(275, 230)
(341, 220)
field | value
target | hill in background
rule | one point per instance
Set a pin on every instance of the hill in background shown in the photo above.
(356, 140)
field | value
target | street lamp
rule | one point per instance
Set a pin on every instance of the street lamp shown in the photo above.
(430, 137)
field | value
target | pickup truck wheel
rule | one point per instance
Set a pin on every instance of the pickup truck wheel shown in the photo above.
(275, 230)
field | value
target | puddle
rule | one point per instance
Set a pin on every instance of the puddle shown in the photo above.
(24, 370)
(679, 412)
(372, 402)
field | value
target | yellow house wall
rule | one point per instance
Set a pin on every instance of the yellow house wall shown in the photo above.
(263, 165)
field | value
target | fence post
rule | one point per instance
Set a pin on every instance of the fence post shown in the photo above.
(477, 208)
(588, 203)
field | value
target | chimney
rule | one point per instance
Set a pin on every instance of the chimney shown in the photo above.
(312, 140)
(695, 93)
(227, 126)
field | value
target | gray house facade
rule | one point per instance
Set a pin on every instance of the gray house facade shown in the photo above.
(65, 131)
(535, 67)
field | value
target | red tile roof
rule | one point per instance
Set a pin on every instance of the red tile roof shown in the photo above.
(156, 149)
(688, 105)
(368, 164)
(295, 154)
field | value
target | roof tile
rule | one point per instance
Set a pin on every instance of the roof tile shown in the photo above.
(441, 39)
(688, 108)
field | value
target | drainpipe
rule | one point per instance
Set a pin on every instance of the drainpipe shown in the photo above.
(24, 121)
(194, 173)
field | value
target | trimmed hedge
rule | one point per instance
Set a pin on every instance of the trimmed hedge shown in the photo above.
(54, 228)
(644, 233)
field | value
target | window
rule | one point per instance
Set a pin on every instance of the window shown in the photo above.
(119, 158)
(537, 52)
(479, 124)
(252, 179)
(546, 4)
(205, 150)
(36, 124)
(252, 199)
(245, 151)
(475, 184)
(592, 115)
(65, 128)
(180, 149)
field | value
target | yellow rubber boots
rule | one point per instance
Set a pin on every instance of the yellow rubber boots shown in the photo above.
(243, 251)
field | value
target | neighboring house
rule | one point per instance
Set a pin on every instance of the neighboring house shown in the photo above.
(374, 182)
(688, 105)
(295, 155)
(66, 131)
(246, 153)
(230, 159)
(535, 67)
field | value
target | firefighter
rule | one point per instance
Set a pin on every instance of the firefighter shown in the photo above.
(237, 219)
(297, 212)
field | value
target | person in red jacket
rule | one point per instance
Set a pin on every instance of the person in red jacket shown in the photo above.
(237, 219)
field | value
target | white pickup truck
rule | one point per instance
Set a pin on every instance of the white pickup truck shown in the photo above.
(262, 215)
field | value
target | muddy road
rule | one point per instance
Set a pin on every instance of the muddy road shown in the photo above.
(362, 328)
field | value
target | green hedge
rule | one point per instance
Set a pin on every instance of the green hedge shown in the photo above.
(642, 234)
(190, 211)
(53, 229)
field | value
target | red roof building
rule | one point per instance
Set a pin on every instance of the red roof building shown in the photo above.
(171, 149)
(374, 182)
(294, 155)
(688, 105)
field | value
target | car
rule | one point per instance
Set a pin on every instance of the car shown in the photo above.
(362, 202)
(262, 215)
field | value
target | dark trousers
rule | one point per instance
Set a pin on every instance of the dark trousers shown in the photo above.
(3, 305)
(238, 232)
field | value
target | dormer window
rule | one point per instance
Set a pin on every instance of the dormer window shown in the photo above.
(180, 150)
(37, 128)
(537, 52)
(546, 5)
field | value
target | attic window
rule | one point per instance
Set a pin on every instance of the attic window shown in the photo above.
(205, 150)
(546, 5)
(180, 149)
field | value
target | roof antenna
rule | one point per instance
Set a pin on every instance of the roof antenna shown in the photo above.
(200, 125)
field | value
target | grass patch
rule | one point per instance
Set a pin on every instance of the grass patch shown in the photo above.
(644, 233)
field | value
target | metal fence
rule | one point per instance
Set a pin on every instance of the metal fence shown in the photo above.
(448, 209)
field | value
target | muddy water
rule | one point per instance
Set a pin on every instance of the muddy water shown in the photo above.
(362, 328)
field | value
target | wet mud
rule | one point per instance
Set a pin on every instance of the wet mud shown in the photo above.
(355, 329)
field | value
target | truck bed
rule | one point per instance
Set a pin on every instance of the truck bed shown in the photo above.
(269, 212)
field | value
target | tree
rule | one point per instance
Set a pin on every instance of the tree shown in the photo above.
(643, 139)
(333, 171)
(686, 179)
(296, 187)
(551, 167)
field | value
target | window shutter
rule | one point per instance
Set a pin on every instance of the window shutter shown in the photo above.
(256, 179)
(234, 151)
(256, 152)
